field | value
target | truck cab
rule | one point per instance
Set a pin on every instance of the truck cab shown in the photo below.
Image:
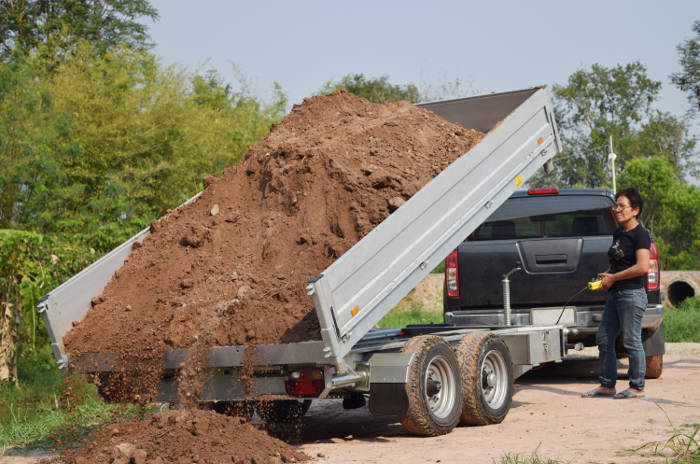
(558, 240)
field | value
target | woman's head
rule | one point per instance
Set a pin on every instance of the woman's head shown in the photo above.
(629, 200)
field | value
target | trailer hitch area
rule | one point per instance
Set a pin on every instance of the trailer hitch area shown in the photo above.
(358, 378)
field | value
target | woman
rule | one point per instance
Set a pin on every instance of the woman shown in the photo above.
(627, 298)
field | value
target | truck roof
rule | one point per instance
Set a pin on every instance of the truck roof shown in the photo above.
(569, 191)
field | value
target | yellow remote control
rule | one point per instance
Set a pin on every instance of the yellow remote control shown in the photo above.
(594, 285)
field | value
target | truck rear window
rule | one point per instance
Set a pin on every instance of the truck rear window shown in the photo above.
(590, 222)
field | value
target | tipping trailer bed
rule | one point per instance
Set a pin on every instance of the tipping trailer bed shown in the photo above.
(364, 284)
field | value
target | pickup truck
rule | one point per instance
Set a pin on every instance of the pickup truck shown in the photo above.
(555, 242)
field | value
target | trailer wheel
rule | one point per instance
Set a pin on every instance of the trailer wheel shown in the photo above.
(487, 378)
(283, 410)
(433, 387)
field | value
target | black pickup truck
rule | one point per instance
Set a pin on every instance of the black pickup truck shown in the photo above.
(559, 239)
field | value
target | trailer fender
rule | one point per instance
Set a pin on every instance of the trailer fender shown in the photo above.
(388, 374)
(389, 367)
(388, 399)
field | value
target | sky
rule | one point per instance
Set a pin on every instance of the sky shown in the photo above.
(490, 46)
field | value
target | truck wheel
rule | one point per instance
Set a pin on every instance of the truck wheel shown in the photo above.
(487, 378)
(283, 410)
(655, 365)
(242, 409)
(433, 388)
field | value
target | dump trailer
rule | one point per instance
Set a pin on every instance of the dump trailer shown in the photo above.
(431, 377)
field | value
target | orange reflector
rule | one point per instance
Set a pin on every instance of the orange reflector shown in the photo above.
(355, 310)
(539, 141)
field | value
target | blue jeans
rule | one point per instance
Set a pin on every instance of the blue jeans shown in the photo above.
(623, 314)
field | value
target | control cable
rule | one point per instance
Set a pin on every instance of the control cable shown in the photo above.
(566, 304)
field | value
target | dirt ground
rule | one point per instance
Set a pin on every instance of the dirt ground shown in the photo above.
(548, 417)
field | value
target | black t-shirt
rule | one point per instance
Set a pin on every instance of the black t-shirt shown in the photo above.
(623, 254)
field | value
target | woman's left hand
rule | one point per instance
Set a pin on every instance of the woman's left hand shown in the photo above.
(606, 280)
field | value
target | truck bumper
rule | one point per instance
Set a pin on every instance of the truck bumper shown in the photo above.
(582, 321)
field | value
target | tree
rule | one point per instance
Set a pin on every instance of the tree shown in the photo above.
(616, 102)
(689, 79)
(25, 24)
(376, 90)
(26, 116)
(671, 210)
(109, 140)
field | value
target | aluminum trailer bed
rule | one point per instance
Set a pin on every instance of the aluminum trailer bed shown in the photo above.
(353, 294)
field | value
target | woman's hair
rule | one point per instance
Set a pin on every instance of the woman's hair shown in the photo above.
(633, 196)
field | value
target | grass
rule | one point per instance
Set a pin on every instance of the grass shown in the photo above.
(45, 409)
(514, 458)
(410, 310)
(682, 447)
(683, 324)
(511, 458)
(412, 316)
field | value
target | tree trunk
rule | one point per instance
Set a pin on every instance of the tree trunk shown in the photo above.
(9, 323)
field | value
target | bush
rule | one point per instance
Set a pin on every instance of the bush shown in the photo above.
(32, 264)
(683, 324)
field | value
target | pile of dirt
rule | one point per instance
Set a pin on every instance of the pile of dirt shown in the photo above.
(194, 436)
(231, 267)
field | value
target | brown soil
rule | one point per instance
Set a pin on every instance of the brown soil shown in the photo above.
(195, 436)
(231, 268)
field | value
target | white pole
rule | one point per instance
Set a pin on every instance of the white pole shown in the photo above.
(612, 162)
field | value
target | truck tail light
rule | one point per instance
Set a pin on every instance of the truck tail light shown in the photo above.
(452, 275)
(654, 274)
(308, 382)
(543, 191)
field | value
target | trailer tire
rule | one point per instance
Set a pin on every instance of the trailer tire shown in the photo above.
(283, 410)
(487, 378)
(433, 387)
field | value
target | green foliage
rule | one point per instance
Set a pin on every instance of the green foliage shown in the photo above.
(376, 90)
(617, 102)
(31, 264)
(689, 79)
(46, 409)
(683, 323)
(439, 269)
(97, 145)
(27, 24)
(25, 130)
(415, 315)
(671, 210)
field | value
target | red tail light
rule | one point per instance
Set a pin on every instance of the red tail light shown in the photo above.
(543, 191)
(305, 383)
(654, 274)
(452, 275)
